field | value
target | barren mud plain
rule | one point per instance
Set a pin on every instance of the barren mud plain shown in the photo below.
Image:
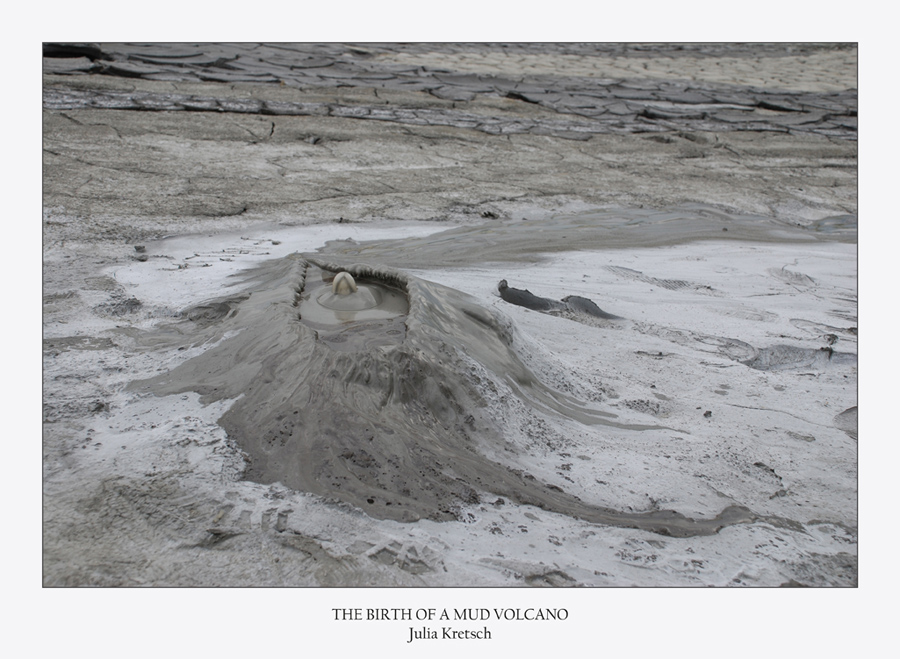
(610, 337)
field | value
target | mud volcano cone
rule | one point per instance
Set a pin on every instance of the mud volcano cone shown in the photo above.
(381, 406)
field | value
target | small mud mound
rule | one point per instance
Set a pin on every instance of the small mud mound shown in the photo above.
(327, 401)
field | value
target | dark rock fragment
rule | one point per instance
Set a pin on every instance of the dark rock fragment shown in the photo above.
(520, 97)
(64, 65)
(70, 50)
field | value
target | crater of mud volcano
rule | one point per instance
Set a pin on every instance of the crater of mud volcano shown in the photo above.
(372, 315)
(380, 400)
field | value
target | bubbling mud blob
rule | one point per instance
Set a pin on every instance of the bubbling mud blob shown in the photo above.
(343, 284)
(345, 295)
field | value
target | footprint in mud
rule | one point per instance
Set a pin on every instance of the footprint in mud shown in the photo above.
(639, 552)
(791, 277)
(412, 558)
(550, 579)
(390, 423)
(826, 333)
(646, 406)
(773, 358)
(747, 313)
(532, 574)
(668, 284)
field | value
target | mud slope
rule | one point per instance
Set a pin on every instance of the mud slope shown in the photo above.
(391, 427)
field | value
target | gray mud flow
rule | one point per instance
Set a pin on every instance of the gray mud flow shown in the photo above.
(391, 423)
(618, 228)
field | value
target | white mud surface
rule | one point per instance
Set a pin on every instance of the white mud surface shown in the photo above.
(731, 380)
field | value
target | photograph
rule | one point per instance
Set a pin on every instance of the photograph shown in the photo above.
(431, 315)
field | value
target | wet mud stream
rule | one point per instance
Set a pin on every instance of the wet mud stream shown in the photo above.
(379, 394)
(531, 240)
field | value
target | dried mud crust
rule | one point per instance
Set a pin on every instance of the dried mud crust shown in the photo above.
(114, 522)
(179, 172)
(591, 89)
